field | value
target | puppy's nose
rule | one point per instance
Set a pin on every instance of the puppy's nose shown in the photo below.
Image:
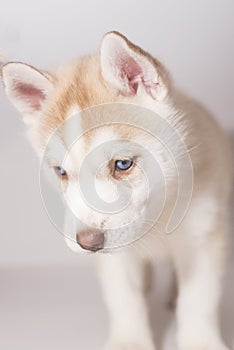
(90, 240)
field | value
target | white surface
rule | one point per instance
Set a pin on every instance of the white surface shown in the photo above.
(61, 308)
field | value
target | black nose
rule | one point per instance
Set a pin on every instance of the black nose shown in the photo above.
(92, 240)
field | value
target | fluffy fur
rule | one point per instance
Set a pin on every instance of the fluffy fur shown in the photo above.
(121, 75)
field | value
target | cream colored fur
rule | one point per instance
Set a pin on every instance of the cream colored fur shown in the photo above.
(197, 247)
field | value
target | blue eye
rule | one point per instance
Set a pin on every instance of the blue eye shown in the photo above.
(122, 165)
(60, 171)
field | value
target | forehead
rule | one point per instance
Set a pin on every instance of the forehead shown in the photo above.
(106, 139)
(101, 116)
(80, 87)
(93, 135)
(93, 127)
(77, 86)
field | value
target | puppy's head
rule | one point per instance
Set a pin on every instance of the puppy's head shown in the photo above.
(90, 122)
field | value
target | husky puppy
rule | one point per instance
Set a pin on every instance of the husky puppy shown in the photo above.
(144, 173)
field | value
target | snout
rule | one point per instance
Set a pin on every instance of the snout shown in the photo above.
(92, 240)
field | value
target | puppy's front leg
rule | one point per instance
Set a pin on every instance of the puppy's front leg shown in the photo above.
(199, 269)
(122, 277)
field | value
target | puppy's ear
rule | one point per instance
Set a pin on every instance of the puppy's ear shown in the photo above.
(127, 67)
(27, 88)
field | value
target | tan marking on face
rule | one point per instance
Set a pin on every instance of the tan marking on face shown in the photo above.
(78, 85)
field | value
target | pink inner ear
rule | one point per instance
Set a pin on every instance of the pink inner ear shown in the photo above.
(131, 70)
(31, 94)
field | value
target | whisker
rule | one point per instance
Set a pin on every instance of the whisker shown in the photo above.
(187, 151)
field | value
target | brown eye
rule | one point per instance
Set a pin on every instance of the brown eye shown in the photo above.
(60, 172)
